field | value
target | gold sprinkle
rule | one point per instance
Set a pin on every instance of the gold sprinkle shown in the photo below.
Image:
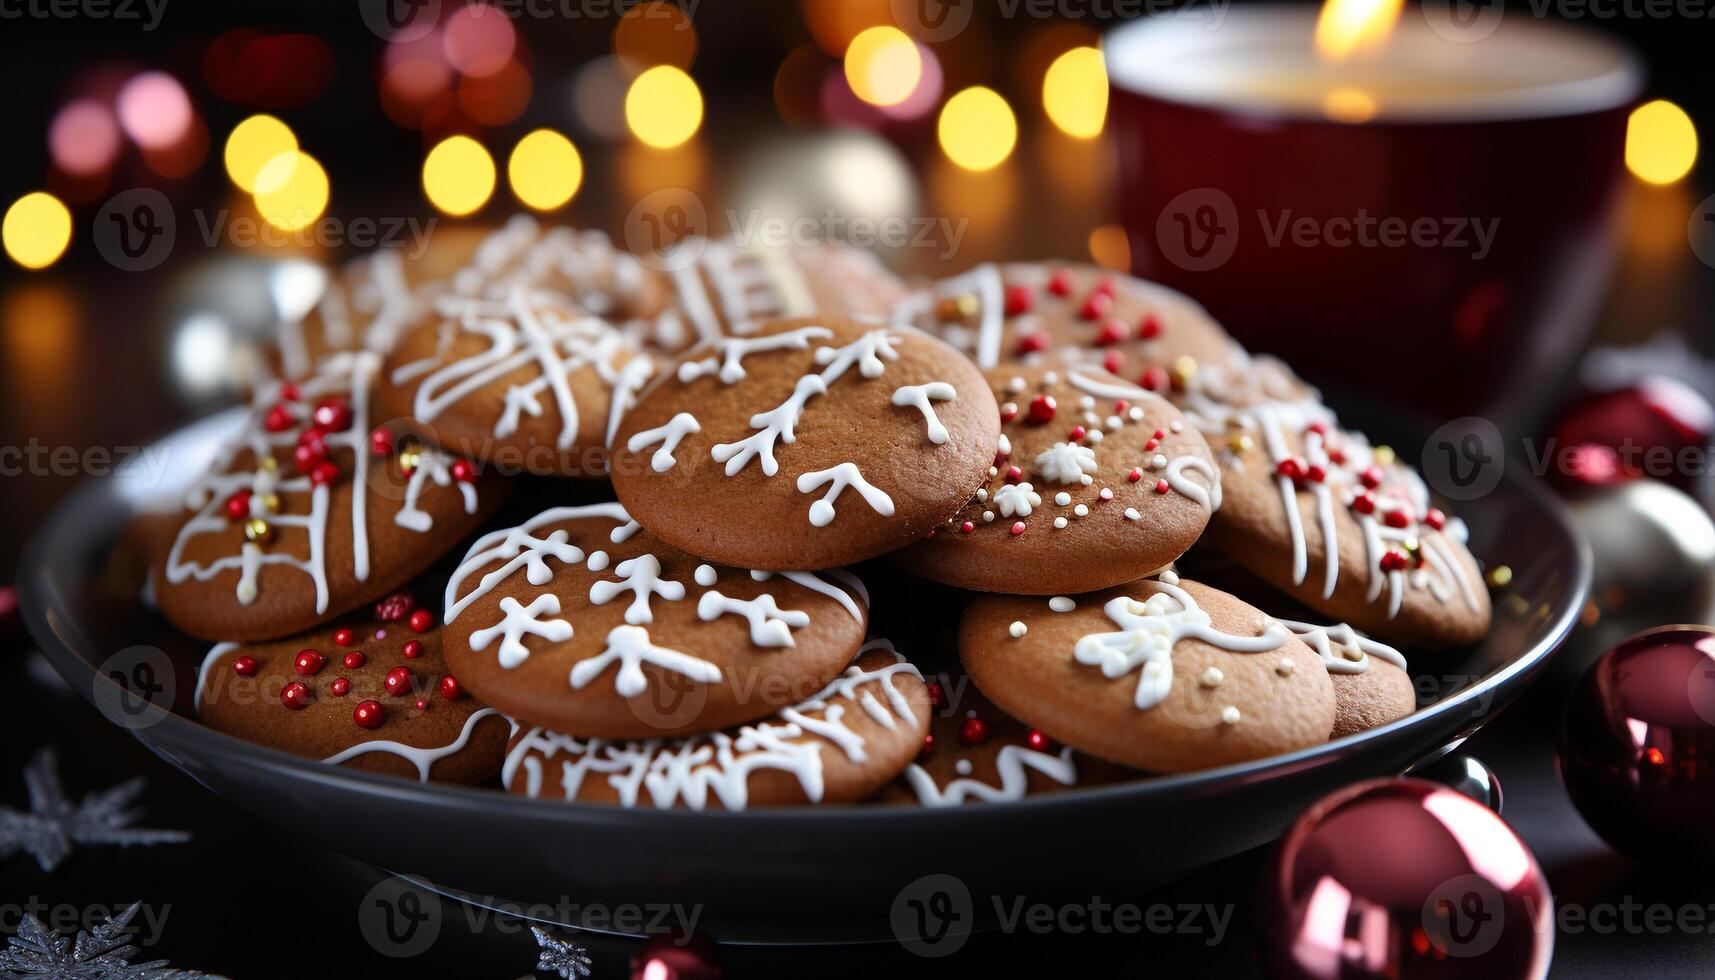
(271, 503)
(1384, 455)
(1184, 369)
(258, 530)
(1500, 576)
(409, 459)
(967, 305)
(267, 463)
(1240, 443)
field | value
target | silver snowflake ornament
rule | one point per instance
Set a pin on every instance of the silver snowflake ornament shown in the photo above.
(54, 826)
(567, 959)
(39, 953)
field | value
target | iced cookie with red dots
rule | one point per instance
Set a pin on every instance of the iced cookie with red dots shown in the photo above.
(517, 380)
(1342, 526)
(977, 753)
(1031, 313)
(1162, 674)
(839, 745)
(309, 513)
(580, 621)
(367, 692)
(1095, 482)
(807, 444)
(1371, 685)
(723, 287)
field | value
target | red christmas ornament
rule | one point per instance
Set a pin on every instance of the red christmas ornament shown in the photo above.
(332, 415)
(309, 663)
(450, 688)
(369, 714)
(344, 637)
(245, 666)
(398, 681)
(422, 620)
(973, 731)
(1042, 409)
(1404, 879)
(665, 956)
(295, 695)
(1636, 741)
(412, 649)
(354, 660)
(395, 607)
(1642, 429)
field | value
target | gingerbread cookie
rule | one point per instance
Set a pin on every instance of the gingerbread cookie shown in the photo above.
(1162, 675)
(1096, 483)
(311, 513)
(839, 745)
(1029, 313)
(807, 444)
(518, 381)
(371, 692)
(977, 753)
(1344, 527)
(1371, 685)
(723, 287)
(580, 621)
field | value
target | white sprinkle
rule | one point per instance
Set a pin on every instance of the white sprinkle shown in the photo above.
(705, 575)
(1004, 445)
(1017, 629)
(1285, 666)
(1091, 418)
(1131, 514)
(597, 561)
(1063, 498)
(962, 767)
(1086, 402)
(1135, 413)
(1062, 603)
(1114, 422)
(1177, 425)
(982, 495)
(1106, 494)
(1212, 677)
(1230, 715)
(1093, 436)
(1059, 523)
(993, 471)
(1081, 510)
(1015, 384)
(1159, 461)
(988, 516)
(1009, 408)
(1051, 378)
(1086, 479)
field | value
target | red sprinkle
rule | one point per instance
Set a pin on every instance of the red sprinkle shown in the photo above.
(1394, 561)
(463, 471)
(1008, 411)
(1019, 299)
(974, 731)
(1150, 328)
(354, 660)
(928, 746)
(395, 607)
(1152, 445)
(967, 527)
(422, 704)
(1105, 287)
(1037, 741)
(413, 649)
(278, 419)
(1155, 379)
(1042, 409)
(1320, 428)
(1014, 474)
(1162, 486)
(1372, 476)
(1113, 331)
(369, 714)
(324, 474)
(1017, 528)
(244, 666)
(1364, 503)
(1120, 405)
(450, 688)
(1030, 343)
(238, 505)
(309, 663)
(1060, 283)
(381, 442)
(1077, 434)
(1290, 468)
(1113, 362)
(344, 636)
(1317, 473)
(1435, 518)
(1397, 518)
(936, 694)
(289, 392)
(397, 681)
(1135, 475)
(309, 454)
(422, 620)
(340, 687)
(295, 696)
(333, 414)
(1096, 306)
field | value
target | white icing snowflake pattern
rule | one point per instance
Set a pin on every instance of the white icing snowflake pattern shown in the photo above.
(839, 477)
(516, 622)
(1066, 462)
(643, 579)
(770, 626)
(1016, 500)
(630, 648)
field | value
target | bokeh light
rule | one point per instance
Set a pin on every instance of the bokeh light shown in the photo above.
(498, 98)
(544, 170)
(663, 107)
(253, 143)
(84, 138)
(656, 33)
(181, 159)
(598, 96)
(834, 23)
(1661, 142)
(1075, 92)
(36, 230)
(882, 66)
(977, 129)
(478, 39)
(410, 87)
(797, 84)
(1349, 105)
(458, 176)
(154, 110)
(1110, 248)
(291, 191)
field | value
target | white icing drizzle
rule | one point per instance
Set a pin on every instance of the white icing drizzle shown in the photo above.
(919, 397)
(630, 648)
(642, 578)
(1102, 388)
(750, 285)
(517, 621)
(1011, 765)
(770, 626)
(432, 466)
(839, 477)
(423, 759)
(669, 435)
(626, 386)
(1148, 632)
(517, 547)
(984, 282)
(1209, 497)
(727, 362)
(815, 583)
(1336, 644)
(665, 773)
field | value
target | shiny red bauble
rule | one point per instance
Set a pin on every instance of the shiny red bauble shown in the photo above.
(669, 957)
(1402, 879)
(1648, 428)
(1637, 746)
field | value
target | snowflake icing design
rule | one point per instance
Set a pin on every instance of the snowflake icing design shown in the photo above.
(54, 826)
(1017, 499)
(1066, 462)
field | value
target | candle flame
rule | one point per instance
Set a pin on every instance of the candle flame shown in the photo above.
(1348, 27)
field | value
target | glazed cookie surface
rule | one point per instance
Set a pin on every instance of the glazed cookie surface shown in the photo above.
(579, 621)
(1096, 483)
(301, 518)
(809, 444)
(977, 753)
(367, 693)
(839, 745)
(1030, 313)
(1371, 685)
(1162, 674)
(517, 380)
(1345, 528)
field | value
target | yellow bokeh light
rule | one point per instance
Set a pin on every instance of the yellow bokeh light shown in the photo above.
(458, 176)
(977, 129)
(291, 191)
(253, 143)
(37, 230)
(1349, 105)
(1075, 92)
(663, 107)
(545, 170)
(883, 66)
(1110, 247)
(1347, 27)
(1661, 142)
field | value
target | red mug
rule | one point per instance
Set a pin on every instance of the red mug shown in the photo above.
(1441, 238)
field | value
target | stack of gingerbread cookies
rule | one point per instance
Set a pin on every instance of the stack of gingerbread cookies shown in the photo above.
(784, 529)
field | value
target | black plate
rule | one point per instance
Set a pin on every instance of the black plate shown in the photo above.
(783, 875)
